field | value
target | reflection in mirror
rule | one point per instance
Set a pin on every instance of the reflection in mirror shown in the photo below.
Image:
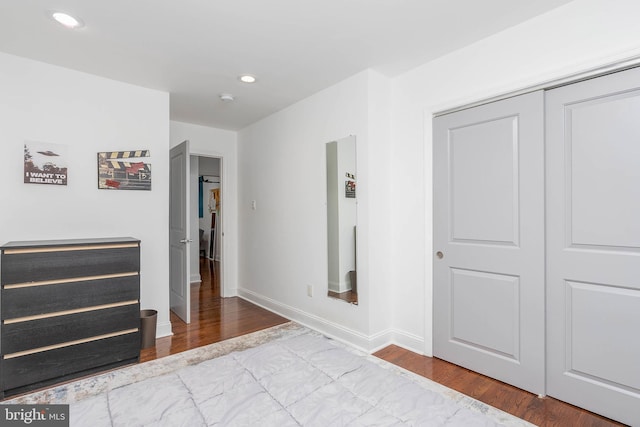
(341, 219)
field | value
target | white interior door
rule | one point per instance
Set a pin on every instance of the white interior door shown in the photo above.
(593, 245)
(180, 301)
(489, 240)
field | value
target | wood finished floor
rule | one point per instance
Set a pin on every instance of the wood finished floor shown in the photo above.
(215, 319)
(348, 296)
(543, 412)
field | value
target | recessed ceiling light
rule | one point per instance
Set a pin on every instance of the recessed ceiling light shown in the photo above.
(226, 97)
(66, 20)
(247, 78)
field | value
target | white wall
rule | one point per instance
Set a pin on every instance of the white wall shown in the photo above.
(212, 142)
(283, 243)
(573, 38)
(379, 242)
(209, 166)
(89, 114)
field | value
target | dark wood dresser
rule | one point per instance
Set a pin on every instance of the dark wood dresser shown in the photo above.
(68, 308)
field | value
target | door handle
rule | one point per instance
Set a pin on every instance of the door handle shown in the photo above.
(440, 255)
(186, 241)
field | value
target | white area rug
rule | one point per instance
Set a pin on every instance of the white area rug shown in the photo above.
(285, 376)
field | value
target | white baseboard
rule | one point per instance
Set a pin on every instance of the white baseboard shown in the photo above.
(339, 287)
(333, 286)
(163, 329)
(195, 278)
(334, 330)
(410, 342)
(312, 321)
(400, 338)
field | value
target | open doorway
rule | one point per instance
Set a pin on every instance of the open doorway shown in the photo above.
(206, 219)
(196, 224)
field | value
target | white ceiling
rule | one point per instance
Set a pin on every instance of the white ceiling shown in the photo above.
(195, 49)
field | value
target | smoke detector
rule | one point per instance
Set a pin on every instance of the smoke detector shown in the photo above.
(226, 97)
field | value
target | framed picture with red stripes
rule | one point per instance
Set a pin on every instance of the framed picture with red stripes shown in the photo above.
(124, 170)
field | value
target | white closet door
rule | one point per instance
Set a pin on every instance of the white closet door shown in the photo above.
(593, 244)
(489, 231)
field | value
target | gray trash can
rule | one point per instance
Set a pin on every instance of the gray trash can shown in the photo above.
(148, 321)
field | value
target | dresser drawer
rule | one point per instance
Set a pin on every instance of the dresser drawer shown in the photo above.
(47, 367)
(32, 300)
(31, 335)
(55, 263)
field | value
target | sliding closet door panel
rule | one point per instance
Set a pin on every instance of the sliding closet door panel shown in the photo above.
(593, 244)
(489, 240)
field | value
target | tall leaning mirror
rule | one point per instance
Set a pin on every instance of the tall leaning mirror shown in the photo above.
(342, 219)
